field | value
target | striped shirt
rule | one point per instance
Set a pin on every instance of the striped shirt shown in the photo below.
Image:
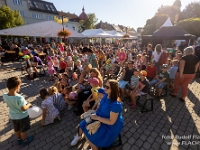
(59, 101)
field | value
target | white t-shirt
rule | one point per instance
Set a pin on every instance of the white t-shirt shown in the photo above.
(156, 56)
(130, 57)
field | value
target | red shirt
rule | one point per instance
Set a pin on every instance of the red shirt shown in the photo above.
(63, 65)
(151, 72)
(122, 56)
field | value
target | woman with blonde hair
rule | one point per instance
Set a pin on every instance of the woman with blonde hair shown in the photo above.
(58, 99)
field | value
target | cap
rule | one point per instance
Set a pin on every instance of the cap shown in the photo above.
(26, 57)
(94, 81)
(164, 66)
(143, 72)
(100, 90)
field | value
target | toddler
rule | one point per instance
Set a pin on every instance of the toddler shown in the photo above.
(18, 111)
(49, 111)
(94, 82)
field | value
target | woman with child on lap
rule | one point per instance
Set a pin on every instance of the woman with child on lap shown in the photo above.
(109, 114)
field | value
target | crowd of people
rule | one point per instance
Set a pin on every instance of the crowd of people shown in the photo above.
(93, 77)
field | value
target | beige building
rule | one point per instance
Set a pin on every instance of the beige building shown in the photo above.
(32, 11)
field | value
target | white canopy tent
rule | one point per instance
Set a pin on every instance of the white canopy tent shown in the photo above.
(41, 29)
(114, 34)
(98, 33)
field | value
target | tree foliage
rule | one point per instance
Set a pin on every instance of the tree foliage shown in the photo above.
(171, 11)
(177, 4)
(154, 24)
(88, 23)
(9, 18)
(190, 11)
(191, 25)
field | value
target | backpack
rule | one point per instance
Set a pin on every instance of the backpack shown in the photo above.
(163, 58)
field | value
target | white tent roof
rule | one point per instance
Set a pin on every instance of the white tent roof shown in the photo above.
(95, 33)
(114, 34)
(41, 29)
(167, 23)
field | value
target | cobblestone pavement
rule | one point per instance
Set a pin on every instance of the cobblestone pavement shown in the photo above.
(172, 125)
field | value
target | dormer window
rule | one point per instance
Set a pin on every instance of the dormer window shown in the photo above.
(36, 5)
(52, 8)
(48, 7)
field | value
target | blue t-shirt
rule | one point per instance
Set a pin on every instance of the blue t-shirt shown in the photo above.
(15, 103)
(134, 80)
(172, 72)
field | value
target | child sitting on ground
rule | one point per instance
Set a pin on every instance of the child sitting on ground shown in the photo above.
(18, 111)
(58, 99)
(69, 96)
(94, 82)
(74, 80)
(49, 111)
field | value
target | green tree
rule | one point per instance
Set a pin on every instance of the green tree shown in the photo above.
(171, 11)
(190, 11)
(154, 24)
(88, 23)
(9, 18)
(191, 25)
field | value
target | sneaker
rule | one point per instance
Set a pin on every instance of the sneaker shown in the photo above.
(19, 141)
(27, 141)
(75, 140)
(70, 107)
(133, 106)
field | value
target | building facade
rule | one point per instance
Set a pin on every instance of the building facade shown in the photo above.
(33, 11)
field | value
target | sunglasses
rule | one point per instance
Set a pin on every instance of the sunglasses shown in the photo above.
(107, 87)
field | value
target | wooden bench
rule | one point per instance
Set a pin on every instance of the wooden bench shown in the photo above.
(10, 53)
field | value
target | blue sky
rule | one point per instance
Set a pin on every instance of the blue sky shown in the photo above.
(131, 13)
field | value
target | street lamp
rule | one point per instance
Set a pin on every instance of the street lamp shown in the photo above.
(63, 20)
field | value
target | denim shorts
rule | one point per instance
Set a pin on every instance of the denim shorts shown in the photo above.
(160, 86)
(122, 84)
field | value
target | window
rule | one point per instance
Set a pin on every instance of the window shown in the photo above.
(36, 5)
(52, 8)
(21, 13)
(17, 2)
(48, 7)
(37, 16)
(49, 17)
(31, 4)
